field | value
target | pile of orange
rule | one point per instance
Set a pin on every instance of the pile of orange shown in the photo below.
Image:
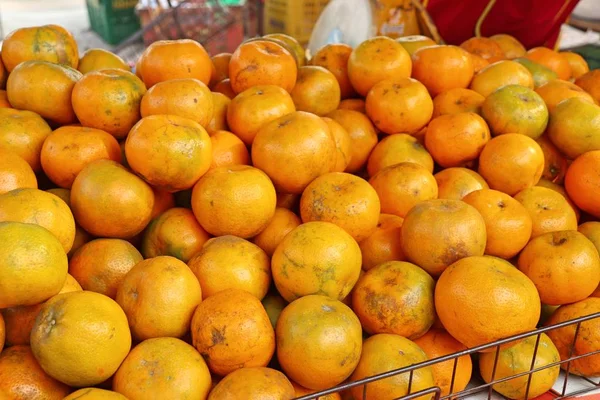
(260, 225)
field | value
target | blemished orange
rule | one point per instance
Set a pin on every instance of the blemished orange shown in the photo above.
(456, 183)
(218, 121)
(561, 190)
(67, 150)
(434, 250)
(413, 43)
(376, 59)
(227, 150)
(343, 145)
(157, 141)
(384, 244)
(557, 90)
(386, 352)
(395, 149)
(500, 74)
(109, 100)
(92, 393)
(510, 46)
(551, 59)
(519, 359)
(109, 201)
(101, 264)
(437, 343)
(175, 59)
(44, 88)
(399, 105)
(21, 377)
(511, 162)
(342, 199)
(175, 233)
(15, 173)
(577, 63)
(230, 262)
(262, 62)
(548, 209)
(221, 63)
(254, 383)
(75, 325)
(295, 149)
(484, 47)
(477, 308)
(235, 200)
(256, 106)
(589, 83)
(402, 186)
(384, 290)
(334, 57)
(316, 257)
(555, 163)
(353, 104)
(319, 341)
(582, 182)
(316, 91)
(232, 330)
(362, 134)
(97, 59)
(224, 87)
(282, 223)
(188, 98)
(442, 68)
(146, 296)
(51, 43)
(457, 100)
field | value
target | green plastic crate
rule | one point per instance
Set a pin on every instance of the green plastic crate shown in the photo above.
(113, 20)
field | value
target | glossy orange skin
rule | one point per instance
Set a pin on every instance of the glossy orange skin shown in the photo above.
(221, 63)
(456, 101)
(413, 43)
(15, 173)
(282, 223)
(262, 62)
(557, 90)
(259, 383)
(551, 59)
(175, 59)
(456, 183)
(589, 83)
(442, 68)
(375, 60)
(158, 140)
(362, 134)
(109, 201)
(384, 244)
(255, 107)
(188, 98)
(316, 90)
(23, 133)
(30, 79)
(50, 43)
(577, 63)
(109, 100)
(97, 59)
(228, 149)
(582, 182)
(479, 62)
(555, 163)
(510, 46)
(562, 191)
(163, 201)
(434, 251)
(70, 148)
(224, 87)
(486, 48)
(81, 236)
(334, 57)
(395, 149)
(499, 74)
(218, 121)
(343, 145)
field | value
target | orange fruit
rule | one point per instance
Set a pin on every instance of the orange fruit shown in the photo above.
(51, 43)
(457, 100)
(442, 68)
(334, 57)
(555, 163)
(484, 47)
(561, 190)
(376, 59)
(319, 341)
(254, 383)
(583, 184)
(362, 134)
(4, 103)
(97, 59)
(551, 59)
(224, 87)
(456, 183)
(81, 236)
(574, 127)
(282, 223)
(302, 391)
(402, 186)
(511, 162)
(433, 249)
(67, 150)
(289, 201)
(237, 200)
(477, 308)
(316, 257)
(510, 46)
(232, 330)
(591, 230)
(376, 300)
(262, 62)
(189, 98)
(109, 100)
(221, 63)
(274, 305)
(76, 325)
(109, 201)
(500, 74)
(577, 63)
(438, 343)
(294, 46)
(343, 144)
(92, 393)
(548, 209)
(175, 59)
(158, 140)
(295, 149)
(589, 83)
(555, 91)
(230, 262)
(343, 199)
(399, 105)
(163, 201)
(15, 173)
(395, 149)
(219, 117)
(541, 75)
(386, 352)
(353, 104)
(255, 107)
(44, 88)
(384, 244)
(101, 264)
(227, 150)
(479, 62)
(413, 43)
(316, 91)
(515, 109)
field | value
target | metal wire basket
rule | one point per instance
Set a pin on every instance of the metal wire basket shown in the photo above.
(435, 392)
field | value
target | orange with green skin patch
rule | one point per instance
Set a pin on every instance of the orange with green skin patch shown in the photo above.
(398, 148)
(384, 244)
(413, 43)
(23, 133)
(557, 90)
(254, 383)
(456, 183)
(334, 58)
(274, 305)
(570, 127)
(362, 134)
(316, 91)
(500, 74)
(457, 100)
(97, 59)
(541, 75)
(552, 60)
(591, 230)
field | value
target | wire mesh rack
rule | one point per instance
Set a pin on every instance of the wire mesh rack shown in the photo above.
(486, 388)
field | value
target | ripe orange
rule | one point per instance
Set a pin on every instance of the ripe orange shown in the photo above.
(442, 68)
(92, 393)
(343, 144)
(395, 149)
(510, 46)
(282, 223)
(254, 383)
(555, 163)
(294, 45)
(457, 100)
(219, 118)
(316, 91)
(353, 104)
(224, 87)
(456, 183)
(362, 134)
(555, 91)
(221, 63)
(97, 59)
(302, 391)
(227, 150)
(577, 63)
(4, 103)
(541, 75)
(582, 182)
(591, 230)
(413, 43)
(589, 83)
(484, 47)
(15, 173)
(500, 74)
(334, 57)
(551, 59)
(479, 62)
(384, 244)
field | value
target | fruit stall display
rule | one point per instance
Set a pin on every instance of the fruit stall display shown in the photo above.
(374, 222)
